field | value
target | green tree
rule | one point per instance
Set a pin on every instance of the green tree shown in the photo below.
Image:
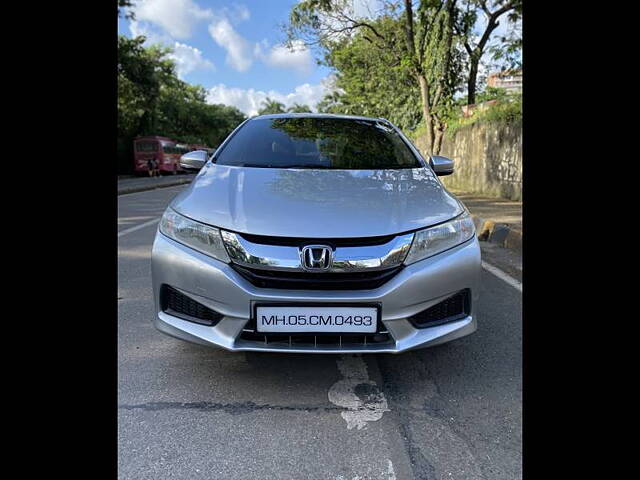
(141, 72)
(298, 108)
(476, 45)
(270, 106)
(372, 81)
(152, 100)
(423, 46)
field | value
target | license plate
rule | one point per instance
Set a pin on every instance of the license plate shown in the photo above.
(320, 319)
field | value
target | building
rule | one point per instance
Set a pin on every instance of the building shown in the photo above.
(510, 80)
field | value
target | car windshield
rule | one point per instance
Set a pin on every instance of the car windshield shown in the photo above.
(317, 142)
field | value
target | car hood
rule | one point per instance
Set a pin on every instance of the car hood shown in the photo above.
(316, 203)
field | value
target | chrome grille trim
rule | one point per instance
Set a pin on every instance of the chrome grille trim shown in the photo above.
(345, 259)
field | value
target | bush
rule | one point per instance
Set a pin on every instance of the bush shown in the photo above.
(507, 110)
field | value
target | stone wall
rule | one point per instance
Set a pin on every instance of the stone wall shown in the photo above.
(488, 159)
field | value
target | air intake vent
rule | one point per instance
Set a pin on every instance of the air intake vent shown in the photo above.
(175, 303)
(453, 308)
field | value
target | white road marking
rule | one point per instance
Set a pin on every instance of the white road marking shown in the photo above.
(342, 393)
(138, 227)
(503, 276)
(391, 472)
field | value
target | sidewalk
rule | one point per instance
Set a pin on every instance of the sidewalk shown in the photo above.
(140, 184)
(497, 220)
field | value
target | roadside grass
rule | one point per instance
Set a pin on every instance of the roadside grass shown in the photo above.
(509, 111)
(506, 110)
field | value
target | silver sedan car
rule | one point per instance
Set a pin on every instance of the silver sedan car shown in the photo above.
(313, 233)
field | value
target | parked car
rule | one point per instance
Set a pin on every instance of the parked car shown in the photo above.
(316, 233)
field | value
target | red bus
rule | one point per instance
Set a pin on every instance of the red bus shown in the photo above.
(166, 151)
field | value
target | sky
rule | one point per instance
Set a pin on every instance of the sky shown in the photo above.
(235, 49)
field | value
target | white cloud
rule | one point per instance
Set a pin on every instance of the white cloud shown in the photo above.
(153, 36)
(239, 54)
(239, 12)
(176, 17)
(249, 100)
(298, 58)
(188, 59)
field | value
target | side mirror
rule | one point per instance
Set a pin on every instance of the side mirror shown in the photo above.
(194, 160)
(441, 165)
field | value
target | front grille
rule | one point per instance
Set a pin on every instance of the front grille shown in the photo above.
(175, 303)
(332, 242)
(316, 281)
(453, 308)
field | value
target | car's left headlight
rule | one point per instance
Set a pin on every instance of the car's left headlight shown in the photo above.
(434, 240)
(200, 237)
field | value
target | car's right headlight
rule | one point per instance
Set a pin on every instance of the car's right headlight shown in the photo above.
(203, 238)
(434, 240)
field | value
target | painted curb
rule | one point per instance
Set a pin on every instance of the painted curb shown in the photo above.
(498, 233)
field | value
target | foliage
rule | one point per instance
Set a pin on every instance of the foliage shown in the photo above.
(443, 61)
(385, 58)
(153, 101)
(184, 115)
(141, 72)
(371, 81)
(270, 106)
(508, 51)
(493, 93)
(508, 48)
(508, 109)
(126, 4)
(299, 108)
(405, 60)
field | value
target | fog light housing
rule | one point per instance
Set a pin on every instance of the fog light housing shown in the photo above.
(179, 305)
(453, 308)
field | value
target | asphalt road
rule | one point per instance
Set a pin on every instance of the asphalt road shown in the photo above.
(190, 412)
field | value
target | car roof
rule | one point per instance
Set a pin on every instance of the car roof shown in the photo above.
(319, 115)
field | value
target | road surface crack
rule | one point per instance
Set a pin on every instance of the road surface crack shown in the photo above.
(237, 408)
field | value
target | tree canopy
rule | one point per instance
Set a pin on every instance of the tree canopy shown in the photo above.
(418, 43)
(477, 43)
(372, 81)
(152, 100)
(270, 106)
(406, 60)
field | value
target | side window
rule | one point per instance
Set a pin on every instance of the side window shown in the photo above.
(146, 147)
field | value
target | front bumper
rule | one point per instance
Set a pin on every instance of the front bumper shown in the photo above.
(217, 286)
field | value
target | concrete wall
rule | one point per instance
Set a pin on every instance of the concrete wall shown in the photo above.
(488, 159)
